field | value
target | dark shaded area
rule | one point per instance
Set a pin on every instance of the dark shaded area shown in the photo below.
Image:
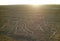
(17, 37)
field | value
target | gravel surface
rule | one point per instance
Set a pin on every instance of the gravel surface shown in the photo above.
(28, 23)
